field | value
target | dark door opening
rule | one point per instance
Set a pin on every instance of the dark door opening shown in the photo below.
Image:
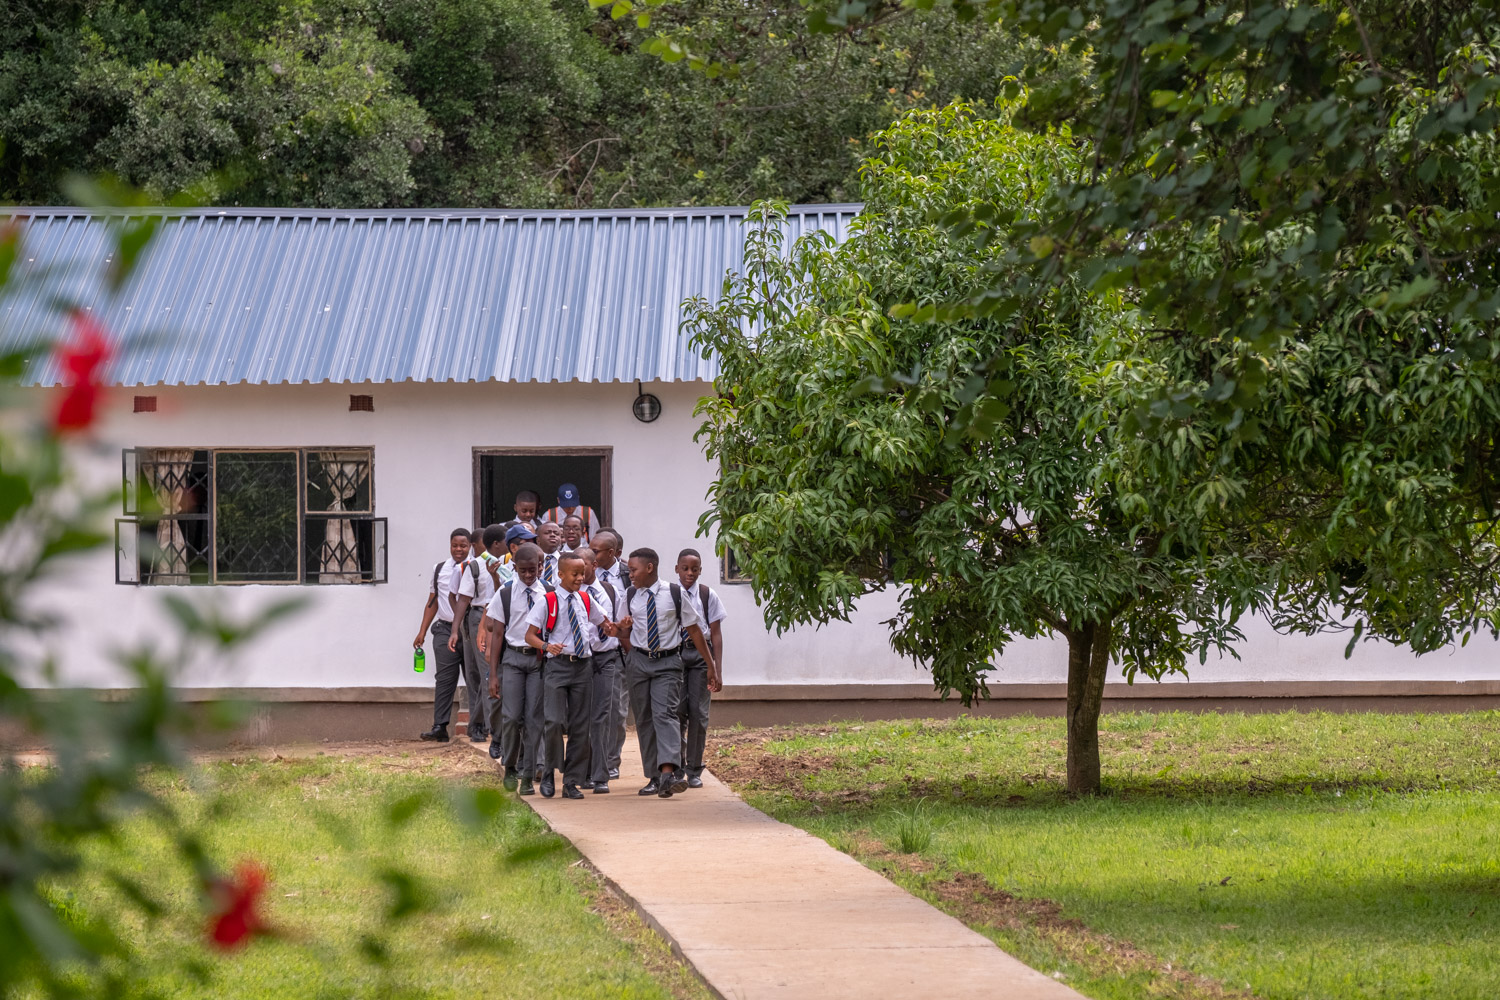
(500, 475)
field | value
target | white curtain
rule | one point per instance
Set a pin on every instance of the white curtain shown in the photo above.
(169, 474)
(340, 558)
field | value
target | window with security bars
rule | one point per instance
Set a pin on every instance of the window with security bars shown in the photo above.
(232, 516)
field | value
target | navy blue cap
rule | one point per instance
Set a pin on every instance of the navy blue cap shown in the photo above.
(567, 495)
(519, 533)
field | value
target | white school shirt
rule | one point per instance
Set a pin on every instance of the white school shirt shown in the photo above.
(549, 559)
(668, 627)
(446, 583)
(617, 575)
(601, 598)
(486, 585)
(515, 615)
(714, 612)
(562, 632)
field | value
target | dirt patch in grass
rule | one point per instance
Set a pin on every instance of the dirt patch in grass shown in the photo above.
(649, 948)
(971, 898)
(741, 760)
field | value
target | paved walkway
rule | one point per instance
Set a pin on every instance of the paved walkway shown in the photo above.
(762, 909)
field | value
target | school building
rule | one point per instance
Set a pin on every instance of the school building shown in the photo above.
(309, 401)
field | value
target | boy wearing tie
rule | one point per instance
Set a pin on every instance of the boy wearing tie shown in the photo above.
(564, 628)
(655, 619)
(699, 681)
(438, 613)
(515, 671)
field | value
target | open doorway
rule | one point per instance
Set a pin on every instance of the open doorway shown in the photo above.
(499, 474)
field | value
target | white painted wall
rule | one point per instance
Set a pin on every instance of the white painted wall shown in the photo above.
(423, 436)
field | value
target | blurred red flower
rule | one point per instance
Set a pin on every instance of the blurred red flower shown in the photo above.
(235, 919)
(81, 362)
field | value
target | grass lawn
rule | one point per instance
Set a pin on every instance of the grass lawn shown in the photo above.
(507, 910)
(1280, 856)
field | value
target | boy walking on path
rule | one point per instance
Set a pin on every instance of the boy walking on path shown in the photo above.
(438, 614)
(476, 585)
(516, 671)
(656, 618)
(700, 681)
(565, 628)
(607, 669)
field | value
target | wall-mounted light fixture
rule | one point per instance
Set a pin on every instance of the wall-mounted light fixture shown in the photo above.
(646, 406)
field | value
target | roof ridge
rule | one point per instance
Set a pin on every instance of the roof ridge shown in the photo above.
(236, 211)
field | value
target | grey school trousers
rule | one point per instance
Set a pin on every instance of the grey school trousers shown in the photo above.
(616, 742)
(520, 708)
(448, 665)
(608, 705)
(476, 672)
(655, 693)
(694, 712)
(568, 686)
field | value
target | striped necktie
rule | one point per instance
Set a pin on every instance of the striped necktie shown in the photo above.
(548, 576)
(653, 627)
(573, 621)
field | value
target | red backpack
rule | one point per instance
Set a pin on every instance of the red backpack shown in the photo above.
(552, 611)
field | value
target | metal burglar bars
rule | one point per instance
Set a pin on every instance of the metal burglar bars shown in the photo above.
(231, 516)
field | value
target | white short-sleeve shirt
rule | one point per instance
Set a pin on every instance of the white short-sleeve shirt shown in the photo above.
(485, 585)
(669, 629)
(610, 609)
(589, 619)
(444, 582)
(515, 615)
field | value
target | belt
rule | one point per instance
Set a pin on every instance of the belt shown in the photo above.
(572, 657)
(520, 649)
(659, 653)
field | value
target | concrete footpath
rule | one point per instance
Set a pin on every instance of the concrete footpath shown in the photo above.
(761, 909)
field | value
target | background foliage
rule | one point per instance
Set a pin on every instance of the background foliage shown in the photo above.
(370, 103)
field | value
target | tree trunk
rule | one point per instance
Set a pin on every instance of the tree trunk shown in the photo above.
(1088, 659)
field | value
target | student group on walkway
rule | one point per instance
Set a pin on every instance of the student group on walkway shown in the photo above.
(557, 635)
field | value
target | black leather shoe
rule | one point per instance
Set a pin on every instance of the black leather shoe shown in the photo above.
(494, 750)
(547, 786)
(671, 782)
(509, 781)
(601, 788)
(437, 734)
(650, 789)
(694, 781)
(614, 774)
(570, 791)
(526, 786)
(477, 736)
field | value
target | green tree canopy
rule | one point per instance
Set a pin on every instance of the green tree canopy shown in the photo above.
(834, 483)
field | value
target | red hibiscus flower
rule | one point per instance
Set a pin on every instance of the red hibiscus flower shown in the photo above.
(81, 362)
(235, 919)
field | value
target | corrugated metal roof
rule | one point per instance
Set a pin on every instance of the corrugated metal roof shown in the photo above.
(281, 295)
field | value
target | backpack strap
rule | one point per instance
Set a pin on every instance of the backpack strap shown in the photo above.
(703, 599)
(551, 614)
(504, 597)
(677, 602)
(614, 600)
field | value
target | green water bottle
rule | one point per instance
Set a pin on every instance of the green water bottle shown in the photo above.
(419, 660)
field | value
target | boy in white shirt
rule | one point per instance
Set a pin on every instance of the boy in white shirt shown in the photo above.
(438, 614)
(608, 665)
(565, 627)
(549, 536)
(656, 617)
(609, 547)
(699, 680)
(515, 670)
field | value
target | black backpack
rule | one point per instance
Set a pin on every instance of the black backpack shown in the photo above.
(676, 589)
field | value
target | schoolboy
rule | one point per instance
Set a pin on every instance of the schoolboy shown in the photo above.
(565, 628)
(516, 536)
(699, 682)
(572, 527)
(656, 618)
(608, 666)
(437, 614)
(549, 539)
(608, 544)
(515, 671)
(525, 508)
(471, 592)
(569, 501)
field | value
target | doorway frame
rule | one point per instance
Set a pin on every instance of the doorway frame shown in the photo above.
(605, 453)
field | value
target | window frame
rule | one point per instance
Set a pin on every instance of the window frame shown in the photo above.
(134, 518)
